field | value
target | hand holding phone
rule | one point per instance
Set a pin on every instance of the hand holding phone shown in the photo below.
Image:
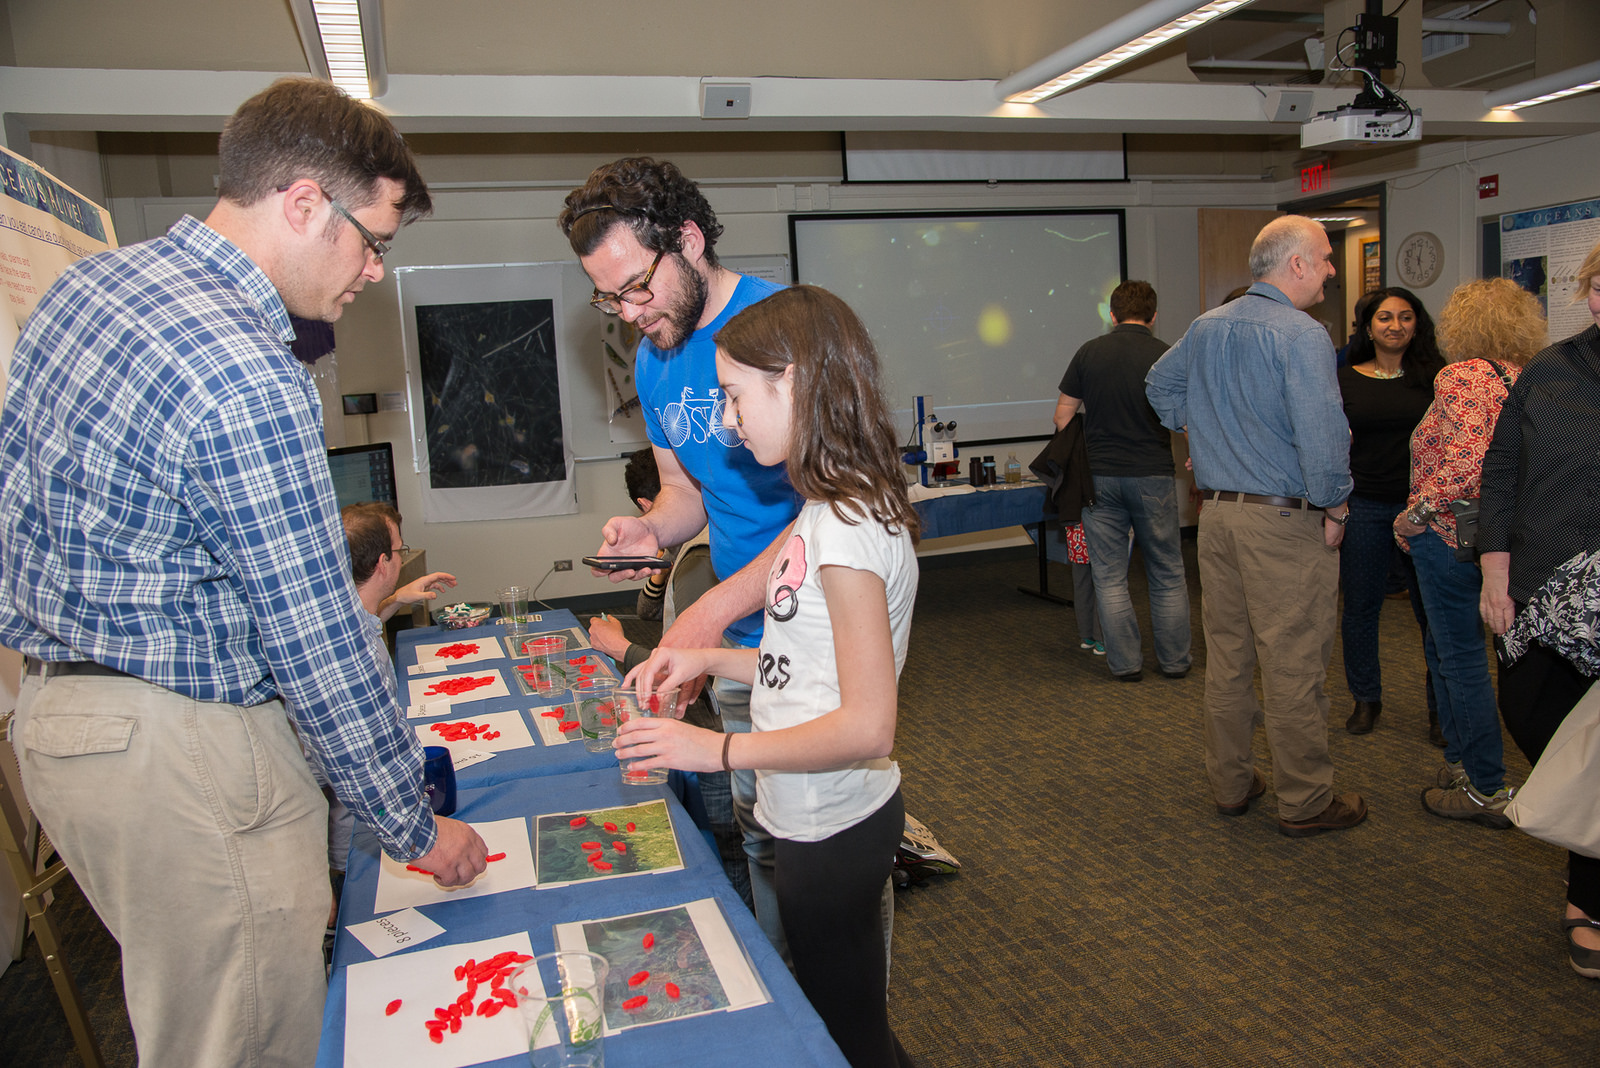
(627, 563)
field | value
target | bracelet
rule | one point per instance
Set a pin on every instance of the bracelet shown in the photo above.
(727, 740)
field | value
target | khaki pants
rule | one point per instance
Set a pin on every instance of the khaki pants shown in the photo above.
(1269, 593)
(198, 836)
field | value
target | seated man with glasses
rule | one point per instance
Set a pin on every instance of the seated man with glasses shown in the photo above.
(647, 238)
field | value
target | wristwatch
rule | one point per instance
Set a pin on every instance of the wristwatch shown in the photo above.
(1340, 519)
(1422, 513)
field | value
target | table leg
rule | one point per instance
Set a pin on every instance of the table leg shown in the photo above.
(1043, 592)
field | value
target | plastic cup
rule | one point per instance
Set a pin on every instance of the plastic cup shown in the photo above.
(648, 703)
(547, 654)
(439, 779)
(596, 699)
(561, 999)
(514, 609)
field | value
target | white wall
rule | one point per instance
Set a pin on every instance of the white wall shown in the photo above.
(1432, 188)
(517, 225)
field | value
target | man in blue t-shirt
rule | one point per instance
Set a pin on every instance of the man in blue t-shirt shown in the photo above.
(647, 238)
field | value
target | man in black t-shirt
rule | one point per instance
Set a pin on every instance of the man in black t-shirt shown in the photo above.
(1130, 454)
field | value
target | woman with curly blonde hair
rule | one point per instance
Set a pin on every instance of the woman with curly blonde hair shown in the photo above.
(1487, 330)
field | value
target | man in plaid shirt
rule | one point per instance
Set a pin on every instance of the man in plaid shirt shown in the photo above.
(173, 567)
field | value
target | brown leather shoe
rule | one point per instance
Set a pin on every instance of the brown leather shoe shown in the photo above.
(1258, 786)
(1364, 718)
(1344, 811)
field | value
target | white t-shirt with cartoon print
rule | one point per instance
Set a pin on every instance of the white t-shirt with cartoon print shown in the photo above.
(797, 675)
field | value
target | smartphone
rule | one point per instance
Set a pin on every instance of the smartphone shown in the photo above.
(627, 563)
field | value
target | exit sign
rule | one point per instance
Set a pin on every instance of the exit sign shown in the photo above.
(1314, 176)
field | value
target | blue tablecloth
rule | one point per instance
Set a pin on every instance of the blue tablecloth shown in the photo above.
(986, 509)
(538, 759)
(786, 1031)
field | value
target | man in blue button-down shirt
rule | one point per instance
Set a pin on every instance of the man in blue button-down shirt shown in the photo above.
(173, 566)
(1252, 382)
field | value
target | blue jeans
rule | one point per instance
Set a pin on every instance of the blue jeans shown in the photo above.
(1148, 506)
(1364, 558)
(1459, 663)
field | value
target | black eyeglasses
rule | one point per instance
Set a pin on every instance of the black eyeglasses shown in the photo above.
(636, 294)
(379, 248)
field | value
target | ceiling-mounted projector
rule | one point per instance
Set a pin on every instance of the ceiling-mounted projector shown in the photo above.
(1355, 127)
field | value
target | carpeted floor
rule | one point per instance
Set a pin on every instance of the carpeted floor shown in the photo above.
(1105, 914)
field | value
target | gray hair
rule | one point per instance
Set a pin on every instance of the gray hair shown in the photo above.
(1280, 239)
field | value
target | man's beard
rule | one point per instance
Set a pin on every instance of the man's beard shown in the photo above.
(683, 315)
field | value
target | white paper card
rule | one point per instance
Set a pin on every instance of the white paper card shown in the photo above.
(423, 981)
(400, 887)
(427, 667)
(465, 758)
(487, 684)
(510, 726)
(384, 935)
(438, 706)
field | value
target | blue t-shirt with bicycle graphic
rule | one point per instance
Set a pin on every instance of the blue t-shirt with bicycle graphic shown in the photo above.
(746, 504)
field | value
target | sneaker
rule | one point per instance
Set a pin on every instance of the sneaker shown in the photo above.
(1466, 803)
(1086, 646)
(1451, 777)
(1343, 812)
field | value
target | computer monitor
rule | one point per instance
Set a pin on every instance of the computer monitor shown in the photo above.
(363, 473)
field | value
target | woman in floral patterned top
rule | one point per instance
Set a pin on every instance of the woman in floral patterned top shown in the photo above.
(1488, 330)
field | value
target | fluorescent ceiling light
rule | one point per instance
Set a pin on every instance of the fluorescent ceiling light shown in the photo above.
(343, 43)
(1135, 33)
(1543, 90)
(1327, 220)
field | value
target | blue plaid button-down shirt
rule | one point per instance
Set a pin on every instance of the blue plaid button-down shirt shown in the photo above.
(166, 510)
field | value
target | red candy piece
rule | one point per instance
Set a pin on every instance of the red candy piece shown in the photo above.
(492, 857)
(630, 828)
(568, 725)
(655, 704)
(578, 821)
(649, 941)
(588, 845)
(504, 995)
(489, 1007)
(455, 1024)
(442, 1016)
(638, 977)
(491, 735)
(553, 713)
(413, 867)
(461, 971)
(612, 827)
(620, 847)
(435, 1035)
(586, 669)
(672, 991)
(457, 651)
(392, 1008)
(635, 1003)
(596, 855)
(603, 865)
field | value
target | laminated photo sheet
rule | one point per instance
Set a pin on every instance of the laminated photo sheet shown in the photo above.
(400, 886)
(576, 639)
(422, 981)
(668, 964)
(609, 843)
(549, 719)
(462, 688)
(511, 727)
(433, 657)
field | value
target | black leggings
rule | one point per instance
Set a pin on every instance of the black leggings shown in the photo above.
(829, 897)
(1536, 693)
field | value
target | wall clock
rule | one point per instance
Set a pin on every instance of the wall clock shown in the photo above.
(1420, 259)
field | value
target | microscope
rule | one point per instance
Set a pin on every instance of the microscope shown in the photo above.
(935, 453)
